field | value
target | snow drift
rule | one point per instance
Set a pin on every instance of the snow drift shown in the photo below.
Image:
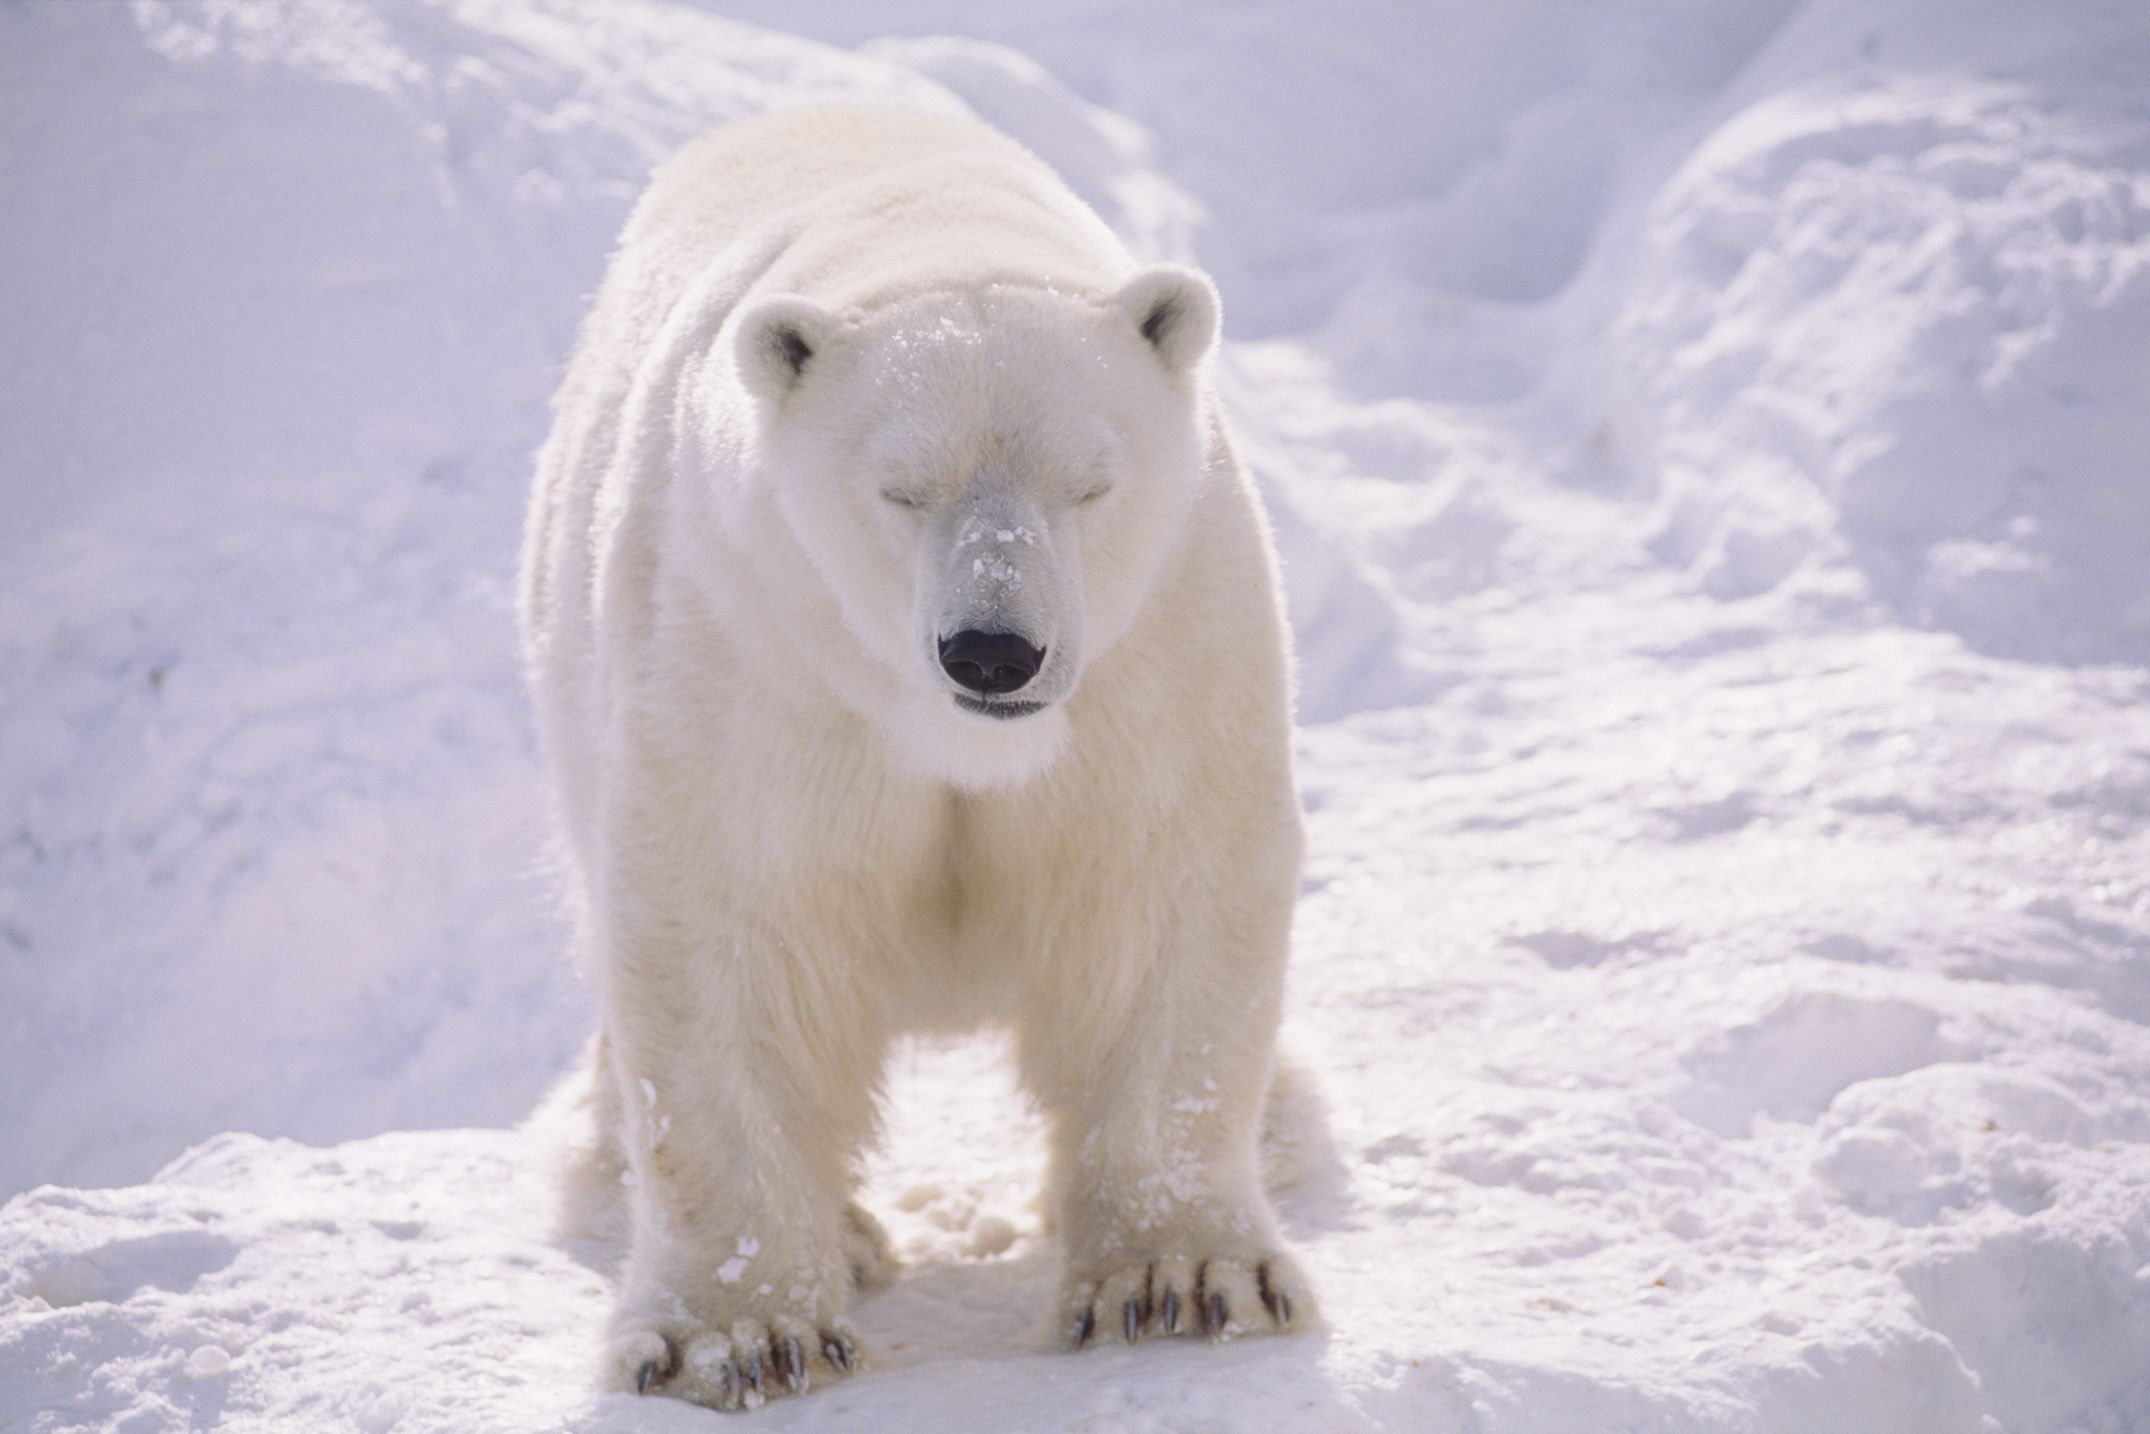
(1893, 307)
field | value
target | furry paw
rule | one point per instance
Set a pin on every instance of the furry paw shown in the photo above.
(1183, 1294)
(739, 1365)
(867, 1251)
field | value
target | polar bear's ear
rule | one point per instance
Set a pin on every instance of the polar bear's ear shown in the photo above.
(1176, 310)
(777, 339)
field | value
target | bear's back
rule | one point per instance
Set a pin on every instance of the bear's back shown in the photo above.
(852, 206)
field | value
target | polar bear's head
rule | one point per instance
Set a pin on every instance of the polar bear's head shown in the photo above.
(987, 483)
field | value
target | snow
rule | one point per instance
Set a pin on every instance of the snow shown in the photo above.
(1706, 445)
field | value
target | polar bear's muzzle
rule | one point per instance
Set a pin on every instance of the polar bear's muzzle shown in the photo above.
(1002, 610)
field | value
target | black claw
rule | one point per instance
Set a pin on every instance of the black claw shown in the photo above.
(728, 1385)
(1217, 1313)
(750, 1369)
(1283, 1310)
(838, 1349)
(644, 1375)
(1172, 1311)
(795, 1366)
(1131, 1319)
(1085, 1326)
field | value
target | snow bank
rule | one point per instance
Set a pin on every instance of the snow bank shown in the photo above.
(1896, 305)
(1703, 438)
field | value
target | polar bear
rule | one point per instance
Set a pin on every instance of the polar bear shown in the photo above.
(908, 654)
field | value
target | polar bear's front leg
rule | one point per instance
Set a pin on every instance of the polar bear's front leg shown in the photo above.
(736, 1278)
(1155, 1164)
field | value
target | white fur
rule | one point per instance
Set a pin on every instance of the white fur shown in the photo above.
(855, 376)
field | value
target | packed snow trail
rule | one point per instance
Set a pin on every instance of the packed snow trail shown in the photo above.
(1705, 445)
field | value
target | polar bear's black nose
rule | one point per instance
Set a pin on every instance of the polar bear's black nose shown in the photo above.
(990, 662)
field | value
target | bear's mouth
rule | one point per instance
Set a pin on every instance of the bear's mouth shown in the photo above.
(1004, 711)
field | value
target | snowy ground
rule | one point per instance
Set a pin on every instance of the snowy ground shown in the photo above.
(1707, 444)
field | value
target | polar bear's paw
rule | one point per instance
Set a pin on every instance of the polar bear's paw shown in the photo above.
(867, 1250)
(1187, 1295)
(738, 1366)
